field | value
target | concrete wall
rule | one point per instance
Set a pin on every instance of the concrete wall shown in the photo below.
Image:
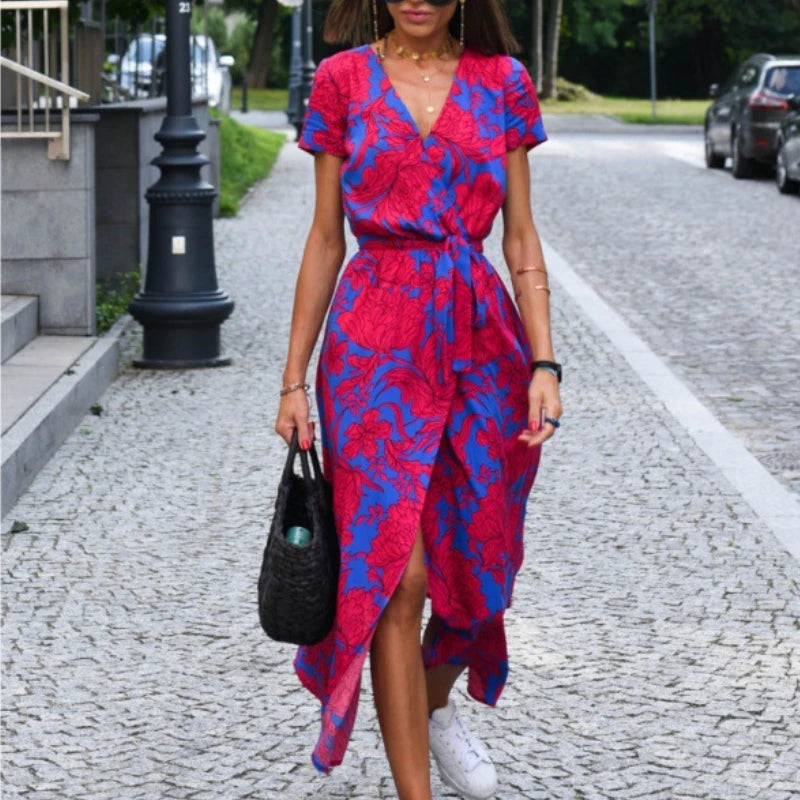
(66, 223)
(48, 237)
(125, 148)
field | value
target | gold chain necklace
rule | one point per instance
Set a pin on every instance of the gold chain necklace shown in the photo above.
(405, 52)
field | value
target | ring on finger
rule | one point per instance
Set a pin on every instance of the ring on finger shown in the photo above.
(553, 421)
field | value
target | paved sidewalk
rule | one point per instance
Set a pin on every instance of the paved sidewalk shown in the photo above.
(654, 637)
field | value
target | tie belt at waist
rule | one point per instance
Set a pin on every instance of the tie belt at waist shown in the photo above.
(418, 242)
(453, 311)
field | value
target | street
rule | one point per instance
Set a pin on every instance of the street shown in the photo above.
(703, 266)
(653, 639)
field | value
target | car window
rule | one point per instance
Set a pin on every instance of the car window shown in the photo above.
(783, 80)
(749, 76)
(142, 49)
(199, 47)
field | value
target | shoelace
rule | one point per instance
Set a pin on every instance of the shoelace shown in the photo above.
(464, 736)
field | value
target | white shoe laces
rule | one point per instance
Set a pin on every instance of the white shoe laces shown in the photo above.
(468, 744)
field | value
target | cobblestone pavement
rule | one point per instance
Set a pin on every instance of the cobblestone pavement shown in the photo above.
(654, 636)
(704, 267)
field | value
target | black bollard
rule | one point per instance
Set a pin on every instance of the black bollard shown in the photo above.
(244, 93)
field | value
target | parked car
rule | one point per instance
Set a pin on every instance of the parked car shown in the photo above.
(787, 165)
(142, 69)
(208, 65)
(135, 67)
(744, 118)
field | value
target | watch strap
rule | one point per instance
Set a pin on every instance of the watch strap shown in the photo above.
(550, 366)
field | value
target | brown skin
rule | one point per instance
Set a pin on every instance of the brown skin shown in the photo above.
(398, 675)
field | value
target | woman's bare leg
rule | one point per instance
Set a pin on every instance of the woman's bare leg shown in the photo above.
(398, 681)
(439, 680)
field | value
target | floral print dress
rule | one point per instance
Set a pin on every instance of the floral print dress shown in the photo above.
(423, 372)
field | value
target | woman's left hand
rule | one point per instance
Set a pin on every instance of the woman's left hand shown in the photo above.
(544, 399)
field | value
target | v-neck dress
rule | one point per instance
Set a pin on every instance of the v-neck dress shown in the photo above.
(423, 372)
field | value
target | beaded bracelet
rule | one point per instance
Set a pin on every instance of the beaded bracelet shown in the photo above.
(294, 386)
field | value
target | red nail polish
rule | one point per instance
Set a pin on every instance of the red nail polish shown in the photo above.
(305, 444)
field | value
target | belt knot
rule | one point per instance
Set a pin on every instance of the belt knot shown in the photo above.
(453, 290)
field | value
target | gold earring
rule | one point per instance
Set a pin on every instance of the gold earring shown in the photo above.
(461, 37)
(375, 19)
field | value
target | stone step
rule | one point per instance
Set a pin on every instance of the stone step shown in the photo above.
(31, 371)
(48, 386)
(20, 322)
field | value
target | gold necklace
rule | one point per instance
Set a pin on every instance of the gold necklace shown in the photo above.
(404, 52)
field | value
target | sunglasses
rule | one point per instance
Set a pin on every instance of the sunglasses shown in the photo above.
(431, 2)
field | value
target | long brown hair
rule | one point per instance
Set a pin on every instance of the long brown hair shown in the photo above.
(485, 25)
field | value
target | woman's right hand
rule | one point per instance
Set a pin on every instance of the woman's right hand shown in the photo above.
(293, 412)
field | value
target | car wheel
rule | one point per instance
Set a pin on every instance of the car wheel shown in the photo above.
(741, 166)
(785, 184)
(713, 160)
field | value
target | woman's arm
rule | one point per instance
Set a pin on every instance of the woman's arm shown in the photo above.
(322, 259)
(523, 250)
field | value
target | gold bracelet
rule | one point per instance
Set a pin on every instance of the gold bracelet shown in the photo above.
(541, 286)
(531, 269)
(294, 386)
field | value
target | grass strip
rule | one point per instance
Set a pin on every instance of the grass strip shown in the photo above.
(261, 99)
(668, 112)
(628, 109)
(246, 156)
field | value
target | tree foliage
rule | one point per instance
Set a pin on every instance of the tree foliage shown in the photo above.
(602, 43)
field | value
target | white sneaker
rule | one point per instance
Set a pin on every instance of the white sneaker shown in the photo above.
(463, 761)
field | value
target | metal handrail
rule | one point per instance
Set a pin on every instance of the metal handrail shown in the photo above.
(58, 145)
(40, 77)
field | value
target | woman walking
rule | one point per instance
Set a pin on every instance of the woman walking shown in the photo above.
(435, 391)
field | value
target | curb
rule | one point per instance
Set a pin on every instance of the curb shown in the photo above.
(42, 429)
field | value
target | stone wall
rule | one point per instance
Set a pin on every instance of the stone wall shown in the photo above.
(48, 231)
(66, 223)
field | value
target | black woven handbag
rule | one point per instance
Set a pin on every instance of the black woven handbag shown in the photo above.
(297, 585)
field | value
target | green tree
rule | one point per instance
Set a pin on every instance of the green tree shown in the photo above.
(604, 42)
(240, 43)
(137, 12)
(217, 29)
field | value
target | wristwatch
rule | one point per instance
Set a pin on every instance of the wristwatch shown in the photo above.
(550, 366)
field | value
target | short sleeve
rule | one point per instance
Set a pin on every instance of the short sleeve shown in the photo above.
(523, 116)
(325, 118)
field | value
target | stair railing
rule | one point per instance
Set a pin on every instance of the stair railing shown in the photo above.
(41, 52)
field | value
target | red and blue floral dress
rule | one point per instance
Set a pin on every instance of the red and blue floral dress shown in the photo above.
(423, 373)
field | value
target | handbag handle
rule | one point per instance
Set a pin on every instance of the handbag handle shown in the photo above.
(313, 483)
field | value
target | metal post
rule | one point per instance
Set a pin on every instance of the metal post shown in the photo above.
(153, 87)
(206, 51)
(309, 67)
(182, 307)
(295, 110)
(244, 91)
(651, 7)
